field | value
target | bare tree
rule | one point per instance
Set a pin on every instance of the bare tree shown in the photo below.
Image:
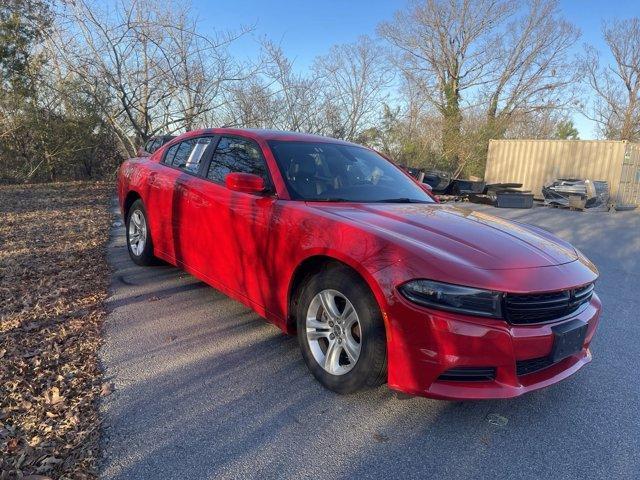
(294, 95)
(541, 124)
(442, 47)
(532, 69)
(276, 95)
(493, 54)
(616, 108)
(340, 96)
(146, 65)
(251, 104)
(201, 72)
(354, 83)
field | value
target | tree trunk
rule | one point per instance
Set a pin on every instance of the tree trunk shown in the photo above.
(452, 124)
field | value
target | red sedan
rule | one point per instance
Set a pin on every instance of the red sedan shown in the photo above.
(330, 241)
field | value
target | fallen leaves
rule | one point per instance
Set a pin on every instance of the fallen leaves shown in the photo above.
(12, 445)
(52, 397)
(53, 282)
(497, 420)
(107, 389)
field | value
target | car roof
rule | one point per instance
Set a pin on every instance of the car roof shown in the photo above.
(267, 134)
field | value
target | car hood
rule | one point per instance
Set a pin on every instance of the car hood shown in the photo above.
(460, 235)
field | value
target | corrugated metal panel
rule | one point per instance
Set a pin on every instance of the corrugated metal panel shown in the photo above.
(535, 163)
(629, 191)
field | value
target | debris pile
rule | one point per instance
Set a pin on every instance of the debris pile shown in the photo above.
(448, 189)
(576, 193)
(504, 195)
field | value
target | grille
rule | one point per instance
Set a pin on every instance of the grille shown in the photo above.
(469, 374)
(543, 307)
(524, 367)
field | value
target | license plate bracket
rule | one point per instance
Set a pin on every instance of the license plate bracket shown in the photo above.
(568, 339)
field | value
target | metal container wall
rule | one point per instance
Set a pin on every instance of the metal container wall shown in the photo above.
(535, 163)
(629, 190)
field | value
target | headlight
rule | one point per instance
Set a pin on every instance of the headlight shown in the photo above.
(453, 298)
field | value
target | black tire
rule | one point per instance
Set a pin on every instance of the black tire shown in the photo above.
(145, 257)
(370, 369)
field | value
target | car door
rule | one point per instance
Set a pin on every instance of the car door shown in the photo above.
(169, 195)
(230, 229)
(158, 200)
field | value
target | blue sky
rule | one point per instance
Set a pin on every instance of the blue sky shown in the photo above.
(307, 28)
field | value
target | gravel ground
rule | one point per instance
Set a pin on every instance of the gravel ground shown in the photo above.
(205, 389)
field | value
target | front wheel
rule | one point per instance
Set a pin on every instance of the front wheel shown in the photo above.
(139, 241)
(341, 332)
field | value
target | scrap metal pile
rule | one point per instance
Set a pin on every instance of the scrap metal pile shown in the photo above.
(505, 195)
(576, 193)
(502, 195)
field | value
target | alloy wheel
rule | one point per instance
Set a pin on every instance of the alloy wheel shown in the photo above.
(137, 232)
(333, 332)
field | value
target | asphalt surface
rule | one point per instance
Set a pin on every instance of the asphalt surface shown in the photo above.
(206, 389)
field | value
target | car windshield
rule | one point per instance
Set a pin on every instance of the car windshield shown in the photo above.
(332, 172)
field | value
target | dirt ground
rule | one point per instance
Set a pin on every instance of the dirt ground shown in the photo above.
(53, 282)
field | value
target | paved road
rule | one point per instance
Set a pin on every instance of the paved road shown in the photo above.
(206, 389)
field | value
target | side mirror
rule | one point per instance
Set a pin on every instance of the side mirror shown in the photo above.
(429, 189)
(245, 182)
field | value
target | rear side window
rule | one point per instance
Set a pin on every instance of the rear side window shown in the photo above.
(187, 155)
(235, 154)
(171, 153)
(151, 146)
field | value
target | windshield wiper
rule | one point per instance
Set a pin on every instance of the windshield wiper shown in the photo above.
(351, 200)
(400, 200)
(332, 199)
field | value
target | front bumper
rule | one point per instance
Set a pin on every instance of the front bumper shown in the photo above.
(425, 343)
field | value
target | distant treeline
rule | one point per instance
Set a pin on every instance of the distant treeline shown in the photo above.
(85, 83)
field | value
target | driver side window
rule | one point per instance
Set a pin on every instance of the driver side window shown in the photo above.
(234, 154)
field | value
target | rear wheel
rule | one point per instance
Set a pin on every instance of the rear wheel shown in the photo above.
(341, 332)
(139, 240)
